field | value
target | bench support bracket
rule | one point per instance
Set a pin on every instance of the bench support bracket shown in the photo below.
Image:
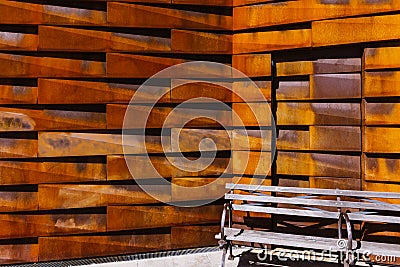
(350, 260)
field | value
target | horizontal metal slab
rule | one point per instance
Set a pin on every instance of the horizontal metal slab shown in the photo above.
(311, 242)
(314, 202)
(316, 213)
(314, 191)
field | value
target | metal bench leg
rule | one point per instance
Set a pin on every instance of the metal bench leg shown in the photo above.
(224, 252)
(231, 257)
(223, 244)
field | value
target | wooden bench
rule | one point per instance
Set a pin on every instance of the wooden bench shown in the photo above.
(307, 202)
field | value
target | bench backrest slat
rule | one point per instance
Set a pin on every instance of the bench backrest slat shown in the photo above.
(316, 214)
(284, 211)
(314, 191)
(314, 202)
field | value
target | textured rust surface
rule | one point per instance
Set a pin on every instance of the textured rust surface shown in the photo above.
(69, 70)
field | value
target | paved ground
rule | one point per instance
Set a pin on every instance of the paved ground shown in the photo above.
(209, 259)
(213, 259)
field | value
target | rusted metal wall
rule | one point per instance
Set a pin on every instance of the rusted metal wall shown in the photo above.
(69, 69)
(336, 95)
(67, 72)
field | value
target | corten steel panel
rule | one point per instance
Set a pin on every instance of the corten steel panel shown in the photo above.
(253, 65)
(18, 201)
(18, 41)
(199, 190)
(137, 66)
(25, 253)
(335, 86)
(335, 138)
(381, 84)
(139, 43)
(65, 196)
(334, 182)
(23, 173)
(27, 13)
(20, 66)
(187, 140)
(313, 164)
(117, 168)
(70, 39)
(237, 3)
(373, 140)
(140, 16)
(381, 113)
(355, 30)
(68, 144)
(59, 91)
(10, 94)
(251, 114)
(301, 113)
(18, 148)
(249, 91)
(56, 15)
(20, 13)
(293, 140)
(23, 226)
(320, 66)
(116, 116)
(271, 41)
(148, 1)
(322, 86)
(291, 12)
(381, 169)
(187, 89)
(227, 3)
(382, 187)
(122, 218)
(157, 117)
(186, 236)
(253, 140)
(251, 163)
(293, 90)
(15, 119)
(192, 42)
(382, 58)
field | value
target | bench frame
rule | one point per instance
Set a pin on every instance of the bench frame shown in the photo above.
(350, 246)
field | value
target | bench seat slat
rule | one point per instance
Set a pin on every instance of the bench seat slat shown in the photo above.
(317, 214)
(280, 239)
(309, 242)
(283, 211)
(314, 202)
(373, 218)
(314, 191)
